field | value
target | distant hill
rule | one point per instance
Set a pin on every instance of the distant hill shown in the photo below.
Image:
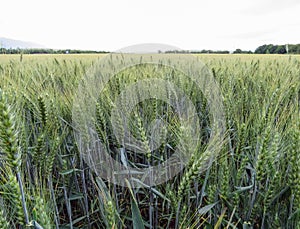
(17, 44)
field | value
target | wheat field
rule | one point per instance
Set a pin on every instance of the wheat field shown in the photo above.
(253, 181)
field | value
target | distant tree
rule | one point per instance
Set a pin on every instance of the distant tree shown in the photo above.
(276, 49)
(259, 50)
(237, 51)
(294, 49)
(280, 49)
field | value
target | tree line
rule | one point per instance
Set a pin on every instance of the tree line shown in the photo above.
(47, 51)
(197, 52)
(263, 49)
(278, 49)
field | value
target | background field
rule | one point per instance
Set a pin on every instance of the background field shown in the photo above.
(254, 182)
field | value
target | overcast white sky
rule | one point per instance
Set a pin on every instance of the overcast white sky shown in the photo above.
(189, 24)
